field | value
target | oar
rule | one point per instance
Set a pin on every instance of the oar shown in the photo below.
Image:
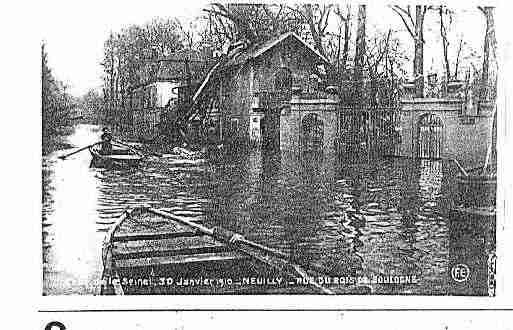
(279, 254)
(461, 168)
(137, 149)
(236, 239)
(79, 150)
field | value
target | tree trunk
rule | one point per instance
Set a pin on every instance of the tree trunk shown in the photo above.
(131, 114)
(359, 59)
(317, 38)
(445, 44)
(189, 82)
(111, 94)
(338, 48)
(488, 86)
(456, 68)
(347, 37)
(418, 61)
(122, 109)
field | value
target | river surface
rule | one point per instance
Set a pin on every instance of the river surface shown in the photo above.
(294, 203)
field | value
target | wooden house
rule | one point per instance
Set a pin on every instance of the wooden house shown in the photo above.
(256, 85)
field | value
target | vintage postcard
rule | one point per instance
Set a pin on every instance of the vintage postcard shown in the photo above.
(271, 149)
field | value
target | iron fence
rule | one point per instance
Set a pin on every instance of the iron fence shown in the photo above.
(369, 132)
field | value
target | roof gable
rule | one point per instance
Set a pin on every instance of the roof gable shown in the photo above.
(282, 38)
(173, 68)
(259, 50)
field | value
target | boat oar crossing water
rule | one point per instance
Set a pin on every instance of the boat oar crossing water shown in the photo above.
(272, 257)
(63, 157)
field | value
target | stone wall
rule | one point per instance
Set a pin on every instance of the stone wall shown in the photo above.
(290, 123)
(463, 138)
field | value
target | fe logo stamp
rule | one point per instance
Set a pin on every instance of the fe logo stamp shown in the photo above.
(460, 273)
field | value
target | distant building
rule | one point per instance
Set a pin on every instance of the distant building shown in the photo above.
(148, 103)
(177, 77)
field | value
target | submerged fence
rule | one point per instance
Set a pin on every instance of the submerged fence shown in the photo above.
(369, 132)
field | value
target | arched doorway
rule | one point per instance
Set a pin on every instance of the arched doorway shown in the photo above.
(312, 132)
(430, 137)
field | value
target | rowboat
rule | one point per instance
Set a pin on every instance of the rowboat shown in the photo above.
(120, 157)
(152, 251)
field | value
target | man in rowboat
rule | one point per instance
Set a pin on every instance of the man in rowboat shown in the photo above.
(106, 142)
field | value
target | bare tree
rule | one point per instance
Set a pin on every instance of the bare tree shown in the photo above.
(56, 103)
(359, 59)
(489, 70)
(458, 57)
(316, 17)
(416, 30)
(445, 15)
(233, 20)
(187, 34)
(346, 20)
(130, 60)
(252, 23)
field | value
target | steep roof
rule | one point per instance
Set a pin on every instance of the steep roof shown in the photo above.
(172, 67)
(260, 49)
(185, 54)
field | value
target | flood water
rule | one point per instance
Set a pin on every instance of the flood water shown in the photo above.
(294, 203)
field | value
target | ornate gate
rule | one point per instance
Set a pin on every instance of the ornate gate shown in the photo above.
(429, 138)
(369, 132)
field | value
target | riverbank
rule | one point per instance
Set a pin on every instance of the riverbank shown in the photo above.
(56, 141)
(59, 138)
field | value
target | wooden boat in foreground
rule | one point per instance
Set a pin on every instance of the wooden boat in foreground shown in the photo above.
(151, 251)
(120, 157)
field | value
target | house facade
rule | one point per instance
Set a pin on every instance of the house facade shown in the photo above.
(257, 86)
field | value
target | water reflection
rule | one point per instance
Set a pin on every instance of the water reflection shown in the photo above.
(70, 239)
(386, 217)
(472, 242)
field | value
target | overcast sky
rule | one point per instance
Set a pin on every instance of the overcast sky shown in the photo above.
(77, 30)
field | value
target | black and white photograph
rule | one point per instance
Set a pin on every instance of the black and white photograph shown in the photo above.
(270, 149)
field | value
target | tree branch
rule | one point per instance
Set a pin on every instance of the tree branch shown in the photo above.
(404, 20)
